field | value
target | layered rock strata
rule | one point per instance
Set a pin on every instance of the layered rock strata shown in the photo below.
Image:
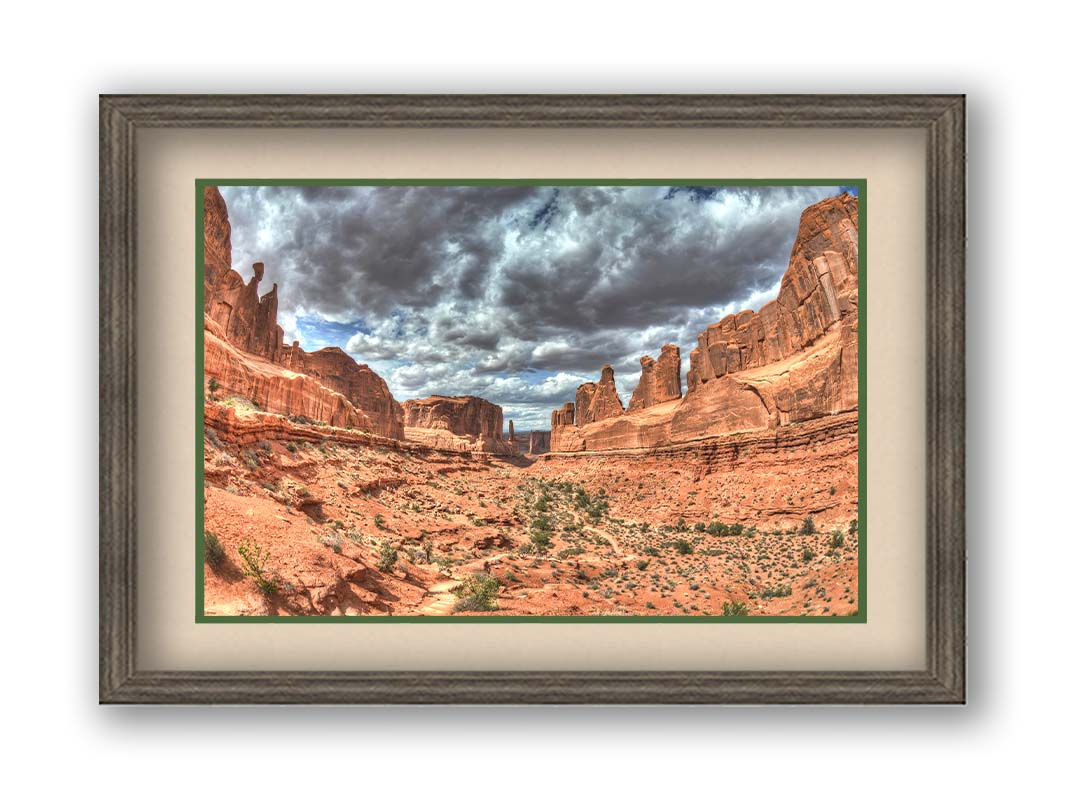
(244, 354)
(473, 419)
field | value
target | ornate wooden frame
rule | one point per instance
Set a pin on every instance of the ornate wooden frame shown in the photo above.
(942, 117)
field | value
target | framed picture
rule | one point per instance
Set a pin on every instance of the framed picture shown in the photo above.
(532, 399)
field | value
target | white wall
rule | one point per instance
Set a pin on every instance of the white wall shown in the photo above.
(54, 64)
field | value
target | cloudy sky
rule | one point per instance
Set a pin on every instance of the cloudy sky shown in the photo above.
(513, 293)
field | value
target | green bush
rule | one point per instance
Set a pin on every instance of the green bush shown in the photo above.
(734, 608)
(808, 526)
(213, 386)
(386, 557)
(379, 521)
(541, 541)
(808, 554)
(642, 564)
(853, 526)
(782, 590)
(291, 447)
(214, 552)
(682, 546)
(255, 566)
(477, 593)
(837, 539)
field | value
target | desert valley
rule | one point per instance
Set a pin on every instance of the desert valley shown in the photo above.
(727, 484)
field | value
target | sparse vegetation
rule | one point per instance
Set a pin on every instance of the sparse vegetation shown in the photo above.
(808, 526)
(477, 593)
(386, 557)
(734, 608)
(782, 590)
(214, 552)
(255, 561)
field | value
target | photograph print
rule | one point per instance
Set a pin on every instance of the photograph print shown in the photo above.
(463, 401)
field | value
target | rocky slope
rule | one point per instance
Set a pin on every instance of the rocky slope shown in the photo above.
(245, 357)
(795, 360)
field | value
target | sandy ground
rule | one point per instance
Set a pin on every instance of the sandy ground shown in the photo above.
(350, 529)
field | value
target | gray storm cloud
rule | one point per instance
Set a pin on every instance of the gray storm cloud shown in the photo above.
(513, 293)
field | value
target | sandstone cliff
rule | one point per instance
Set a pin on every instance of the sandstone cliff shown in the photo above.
(244, 354)
(660, 379)
(471, 423)
(793, 361)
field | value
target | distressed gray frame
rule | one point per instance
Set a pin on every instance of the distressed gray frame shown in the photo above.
(941, 116)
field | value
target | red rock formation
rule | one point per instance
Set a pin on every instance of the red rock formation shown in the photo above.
(363, 387)
(660, 379)
(216, 238)
(794, 361)
(605, 403)
(329, 386)
(272, 388)
(540, 442)
(511, 430)
(583, 403)
(464, 416)
(819, 288)
(563, 416)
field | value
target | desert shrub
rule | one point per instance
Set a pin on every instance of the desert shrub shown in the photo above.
(680, 524)
(642, 564)
(541, 504)
(214, 552)
(682, 546)
(837, 539)
(291, 447)
(212, 437)
(699, 527)
(386, 557)
(255, 561)
(782, 590)
(213, 386)
(332, 540)
(477, 593)
(716, 528)
(541, 523)
(541, 541)
(808, 526)
(379, 521)
(734, 608)
(737, 529)
(808, 554)
(853, 526)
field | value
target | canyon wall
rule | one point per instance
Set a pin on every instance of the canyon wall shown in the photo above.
(244, 353)
(462, 416)
(794, 360)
